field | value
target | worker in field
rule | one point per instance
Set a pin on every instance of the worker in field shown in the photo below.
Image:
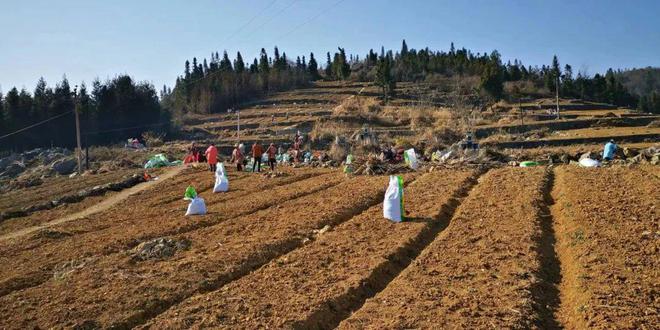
(212, 157)
(609, 150)
(272, 153)
(257, 152)
(237, 157)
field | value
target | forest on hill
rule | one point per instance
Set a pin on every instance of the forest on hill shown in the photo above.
(216, 85)
(122, 107)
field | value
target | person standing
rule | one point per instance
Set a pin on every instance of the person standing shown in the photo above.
(272, 152)
(257, 152)
(237, 157)
(212, 157)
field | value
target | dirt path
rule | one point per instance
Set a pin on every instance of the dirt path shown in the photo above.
(102, 206)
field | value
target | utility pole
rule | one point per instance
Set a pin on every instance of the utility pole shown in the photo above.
(238, 125)
(76, 110)
(557, 93)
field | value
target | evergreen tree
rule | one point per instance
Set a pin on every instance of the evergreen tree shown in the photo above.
(225, 63)
(312, 67)
(239, 65)
(3, 124)
(328, 67)
(384, 78)
(263, 61)
(254, 68)
(187, 70)
(404, 48)
(492, 82)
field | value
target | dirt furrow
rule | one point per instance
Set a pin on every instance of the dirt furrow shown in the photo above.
(117, 291)
(607, 224)
(319, 284)
(33, 263)
(479, 272)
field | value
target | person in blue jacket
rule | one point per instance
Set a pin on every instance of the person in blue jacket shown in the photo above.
(608, 151)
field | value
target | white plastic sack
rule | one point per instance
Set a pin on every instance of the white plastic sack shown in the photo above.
(196, 207)
(411, 158)
(588, 162)
(221, 180)
(393, 203)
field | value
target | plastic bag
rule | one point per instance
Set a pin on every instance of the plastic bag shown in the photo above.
(393, 203)
(529, 164)
(190, 193)
(196, 207)
(411, 158)
(221, 181)
(588, 162)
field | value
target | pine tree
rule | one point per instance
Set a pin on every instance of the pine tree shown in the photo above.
(328, 67)
(404, 48)
(492, 82)
(2, 115)
(225, 63)
(239, 65)
(384, 77)
(187, 70)
(263, 62)
(313, 67)
(254, 68)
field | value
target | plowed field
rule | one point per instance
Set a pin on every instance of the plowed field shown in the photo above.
(521, 248)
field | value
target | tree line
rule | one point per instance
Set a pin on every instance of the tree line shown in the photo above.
(110, 112)
(219, 84)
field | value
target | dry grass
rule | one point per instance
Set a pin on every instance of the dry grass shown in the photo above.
(153, 139)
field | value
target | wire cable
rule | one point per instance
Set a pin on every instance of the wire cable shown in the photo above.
(35, 125)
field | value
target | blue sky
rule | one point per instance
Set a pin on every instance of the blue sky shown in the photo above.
(150, 39)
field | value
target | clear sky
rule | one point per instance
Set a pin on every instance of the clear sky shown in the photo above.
(150, 39)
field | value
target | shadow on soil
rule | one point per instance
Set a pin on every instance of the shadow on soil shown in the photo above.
(546, 291)
(341, 307)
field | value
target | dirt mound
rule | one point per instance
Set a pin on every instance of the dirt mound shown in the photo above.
(159, 248)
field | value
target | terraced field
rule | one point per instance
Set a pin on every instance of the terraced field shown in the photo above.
(499, 248)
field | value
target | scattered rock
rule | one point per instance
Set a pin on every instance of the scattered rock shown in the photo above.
(64, 166)
(52, 234)
(159, 248)
(13, 169)
(322, 231)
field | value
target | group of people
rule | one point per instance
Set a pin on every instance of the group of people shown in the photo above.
(257, 151)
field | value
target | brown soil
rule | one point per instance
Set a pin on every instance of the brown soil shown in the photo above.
(101, 204)
(609, 242)
(32, 258)
(112, 290)
(481, 272)
(315, 285)
(56, 187)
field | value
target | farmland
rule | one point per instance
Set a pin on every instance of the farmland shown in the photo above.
(483, 246)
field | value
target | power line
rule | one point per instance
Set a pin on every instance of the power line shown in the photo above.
(250, 33)
(250, 21)
(35, 125)
(123, 129)
(271, 18)
(311, 19)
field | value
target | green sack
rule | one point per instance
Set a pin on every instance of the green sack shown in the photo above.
(529, 164)
(190, 193)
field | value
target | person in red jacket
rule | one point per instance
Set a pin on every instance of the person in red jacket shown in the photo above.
(272, 152)
(257, 152)
(212, 157)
